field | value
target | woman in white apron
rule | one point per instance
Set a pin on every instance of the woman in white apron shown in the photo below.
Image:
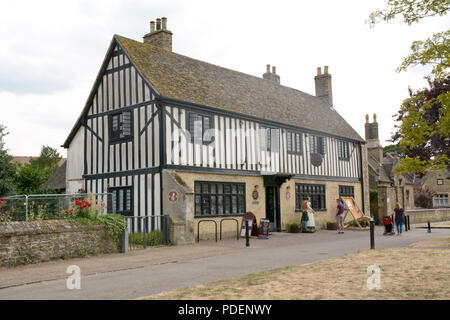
(310, 225)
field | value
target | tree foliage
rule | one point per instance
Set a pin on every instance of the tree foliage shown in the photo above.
(32, 176)
(395, 149)
(411, 11)
(424, 118)
(424, 126)
(7, 169)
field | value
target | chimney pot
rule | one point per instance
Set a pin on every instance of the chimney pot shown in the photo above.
(159, 36)
(367, 118)
(323, 85)
(374, 117)
(268, 68)
(274, 70)
(158, 24)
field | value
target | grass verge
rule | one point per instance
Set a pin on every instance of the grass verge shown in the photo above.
(419, 271)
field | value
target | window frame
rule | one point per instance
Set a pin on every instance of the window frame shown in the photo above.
(293, 142)
(113, 137)
(346, 194)
(343, 150)
(268, 138)
(313, 187)
(314, 144)
(191, 130)
(227, 197)
(440, 184)
(128, 213)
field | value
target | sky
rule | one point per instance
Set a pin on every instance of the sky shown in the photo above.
(51, 53)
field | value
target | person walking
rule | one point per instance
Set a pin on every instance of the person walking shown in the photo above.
(340, 216)
(399, 215)
(310, 225)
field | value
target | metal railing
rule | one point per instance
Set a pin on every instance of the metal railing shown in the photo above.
(147, 231)
(49, 206)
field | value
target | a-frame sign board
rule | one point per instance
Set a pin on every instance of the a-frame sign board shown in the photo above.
(350, 206)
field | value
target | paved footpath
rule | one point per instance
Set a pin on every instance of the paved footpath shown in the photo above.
(145, 272)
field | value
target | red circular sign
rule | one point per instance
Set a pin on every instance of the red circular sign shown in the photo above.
(173, 196)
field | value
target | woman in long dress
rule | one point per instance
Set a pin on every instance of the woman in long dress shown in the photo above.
(310, 224)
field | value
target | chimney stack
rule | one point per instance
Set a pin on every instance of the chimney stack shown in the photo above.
(323, 85)
(272, 76)
(159, 36)
(373, 141)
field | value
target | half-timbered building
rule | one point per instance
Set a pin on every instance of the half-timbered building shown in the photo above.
(172, 135)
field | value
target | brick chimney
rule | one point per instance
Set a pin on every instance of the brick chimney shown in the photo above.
(373, 141)
(159, 36)
(272, 76)
(323, 85)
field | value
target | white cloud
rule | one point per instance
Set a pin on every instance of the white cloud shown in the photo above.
(51, 52)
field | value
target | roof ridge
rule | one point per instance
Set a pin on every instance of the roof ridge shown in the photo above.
(221, 67)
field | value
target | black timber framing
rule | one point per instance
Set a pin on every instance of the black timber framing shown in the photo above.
(160, 104)
(278, 125)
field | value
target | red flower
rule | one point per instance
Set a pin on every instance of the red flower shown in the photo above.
(77, 202)
(88, 203)
(3, 199)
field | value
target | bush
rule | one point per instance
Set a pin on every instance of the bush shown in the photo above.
(331, 225)
(423, 197)
(153, 238)
(294, 227)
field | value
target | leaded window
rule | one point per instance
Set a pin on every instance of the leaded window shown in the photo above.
(219, 198)
(315, 191)
(294, 142)
(269, 139)
(343, 150)
(199, 126)
(121, 125)
(317, 144)
(121, 200)
(346, 191)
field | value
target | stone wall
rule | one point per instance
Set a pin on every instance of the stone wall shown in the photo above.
(432, 215)
(36, 241)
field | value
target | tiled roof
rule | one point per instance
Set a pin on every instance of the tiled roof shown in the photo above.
(26, 160)
(58, 180)
(179, 77)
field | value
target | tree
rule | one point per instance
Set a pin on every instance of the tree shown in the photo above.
(424, 118)
(7, 168)
(424, 126)
(32, 176)
(394, 148)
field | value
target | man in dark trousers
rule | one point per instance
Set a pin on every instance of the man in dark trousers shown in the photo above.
(340, 216)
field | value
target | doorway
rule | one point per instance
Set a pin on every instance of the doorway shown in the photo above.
(273, 207)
